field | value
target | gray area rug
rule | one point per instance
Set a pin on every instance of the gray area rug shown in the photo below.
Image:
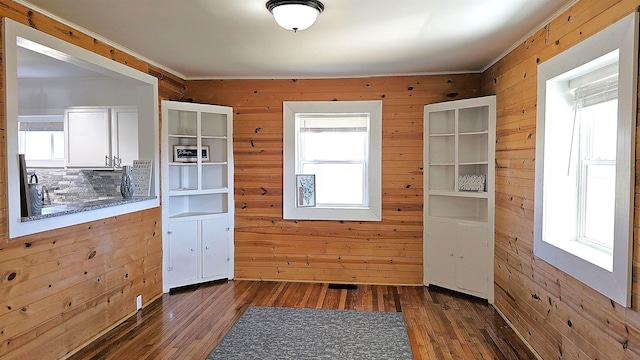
(267, 333)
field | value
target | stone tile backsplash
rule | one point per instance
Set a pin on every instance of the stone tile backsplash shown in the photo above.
(69, 186)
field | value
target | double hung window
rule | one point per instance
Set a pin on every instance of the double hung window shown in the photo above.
(585, 157)
(596, 113)
(338, 144)
(41, 140)
(335, 148)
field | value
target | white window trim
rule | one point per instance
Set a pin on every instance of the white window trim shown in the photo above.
(614, 284)
(374, 211)
(148, 109)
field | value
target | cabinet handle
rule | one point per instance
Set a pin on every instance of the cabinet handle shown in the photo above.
(192, 249)
(451, 254)
(106, 160)
(206, 247)
(226, 229)
(228, 259)
(169, 232)
(461, 256)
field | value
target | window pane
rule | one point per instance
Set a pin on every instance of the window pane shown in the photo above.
(338, 184)
(37, 145)
(600, 203)
(58, 145)
(333, 146)
(602, 121)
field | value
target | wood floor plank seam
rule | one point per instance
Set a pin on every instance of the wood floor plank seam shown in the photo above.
(190, 322)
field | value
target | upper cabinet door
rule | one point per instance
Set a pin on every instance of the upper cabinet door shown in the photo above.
(87, 137)
(124, 127)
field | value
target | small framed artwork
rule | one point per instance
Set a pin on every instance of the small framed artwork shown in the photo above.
(189, 153)
(305, 190)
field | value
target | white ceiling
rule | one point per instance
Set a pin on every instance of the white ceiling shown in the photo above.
(216, 39)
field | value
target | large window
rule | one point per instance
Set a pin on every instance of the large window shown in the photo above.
(341, 169)
(339, 143)
(585, 140)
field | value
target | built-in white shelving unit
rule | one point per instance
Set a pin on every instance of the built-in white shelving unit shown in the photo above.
(197, 196)
(459, 156)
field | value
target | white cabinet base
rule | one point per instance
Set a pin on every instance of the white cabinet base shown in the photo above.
(198, 251)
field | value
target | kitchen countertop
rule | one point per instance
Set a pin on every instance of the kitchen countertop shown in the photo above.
(60, 210)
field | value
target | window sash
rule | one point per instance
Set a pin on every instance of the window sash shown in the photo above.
(590, 160)
(334, 123)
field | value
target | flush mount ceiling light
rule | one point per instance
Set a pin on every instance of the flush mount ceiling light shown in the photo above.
(295, 15)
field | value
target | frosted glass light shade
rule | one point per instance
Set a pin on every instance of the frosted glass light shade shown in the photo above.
(295, 17)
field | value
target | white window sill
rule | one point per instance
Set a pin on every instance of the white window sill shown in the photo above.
(585, 252)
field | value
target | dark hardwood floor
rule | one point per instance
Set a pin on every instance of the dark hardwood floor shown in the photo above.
(189, 323)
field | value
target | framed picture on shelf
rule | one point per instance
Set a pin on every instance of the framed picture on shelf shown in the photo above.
(305, 190)
(189, 153)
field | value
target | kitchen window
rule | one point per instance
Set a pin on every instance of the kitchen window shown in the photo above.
(41, 140)
(339, 143)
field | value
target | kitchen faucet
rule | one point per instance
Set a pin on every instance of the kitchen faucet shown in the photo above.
(45, 194)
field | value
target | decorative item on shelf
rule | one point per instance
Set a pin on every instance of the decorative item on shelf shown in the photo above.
(306, 190)
(35, 195)
(126, 185)
(189, 153)
(472, 182)
(141, 173)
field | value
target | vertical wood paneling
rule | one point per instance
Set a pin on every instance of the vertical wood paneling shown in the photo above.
(270, 248)
(61, 288)
(559, 316)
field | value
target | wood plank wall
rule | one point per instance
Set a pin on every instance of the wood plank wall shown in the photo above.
(61, 288)
(558, 315)
(270, 248)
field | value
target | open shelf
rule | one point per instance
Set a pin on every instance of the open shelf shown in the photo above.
(469, 194)
(473, 119)
(198, 203)
(442, 122)
(194, 214)
(459, 206)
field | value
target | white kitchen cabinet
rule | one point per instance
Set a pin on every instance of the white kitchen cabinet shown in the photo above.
(87, 137)
(198, 188)
(459, 156)
(101, 137)
(124, 139)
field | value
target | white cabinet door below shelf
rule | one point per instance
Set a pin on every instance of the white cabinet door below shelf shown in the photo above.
(215, 247)
(472, 255)
(183, 252)
(440, 252)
